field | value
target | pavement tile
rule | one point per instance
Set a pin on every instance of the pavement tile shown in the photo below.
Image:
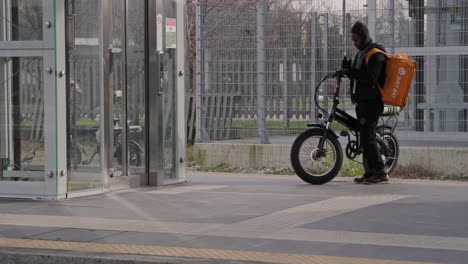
(75, 234)
(431, 219)
(218, 218)
(10, 231)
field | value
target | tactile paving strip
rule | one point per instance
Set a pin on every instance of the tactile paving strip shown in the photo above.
(191, 252)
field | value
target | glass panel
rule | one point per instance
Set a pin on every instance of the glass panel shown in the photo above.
(21, 20)
(21, 119)
(84, 98)
(117, 84)
(136, 85)
(169, 85)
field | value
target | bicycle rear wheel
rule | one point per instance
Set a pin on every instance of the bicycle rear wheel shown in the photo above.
(389, 149)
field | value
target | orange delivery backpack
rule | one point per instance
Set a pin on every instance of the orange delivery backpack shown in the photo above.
(399, 73)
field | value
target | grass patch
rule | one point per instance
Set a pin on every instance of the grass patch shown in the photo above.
(417, 171)
(279, 124)
(223, 167)
(270, 124)
(351, 169)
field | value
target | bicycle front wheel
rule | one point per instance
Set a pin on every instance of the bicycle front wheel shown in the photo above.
(307, 161)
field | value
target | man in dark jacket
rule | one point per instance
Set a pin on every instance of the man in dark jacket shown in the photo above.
(365, 79)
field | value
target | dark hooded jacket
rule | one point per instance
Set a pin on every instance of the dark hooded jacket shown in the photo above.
(365, 77)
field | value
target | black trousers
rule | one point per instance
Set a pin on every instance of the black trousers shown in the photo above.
(368, 114)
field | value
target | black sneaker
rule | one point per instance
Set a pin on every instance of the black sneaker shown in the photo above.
(366, 175)
(377, 178)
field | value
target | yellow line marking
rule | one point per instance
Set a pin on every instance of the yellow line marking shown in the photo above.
(191, 252)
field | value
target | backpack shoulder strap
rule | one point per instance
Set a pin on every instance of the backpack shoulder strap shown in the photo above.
(367, 57)
(372, 52)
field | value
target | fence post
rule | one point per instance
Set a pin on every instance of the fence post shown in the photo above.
(199, 137)
(372, 17)
(344, 89)
(313, 59)
(325, 57)
(261, 73)
(392, 25)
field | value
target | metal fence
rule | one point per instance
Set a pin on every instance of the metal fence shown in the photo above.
(258, 63)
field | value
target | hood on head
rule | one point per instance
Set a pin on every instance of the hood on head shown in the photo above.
(362, 31)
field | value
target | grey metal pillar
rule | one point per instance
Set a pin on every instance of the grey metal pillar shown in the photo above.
(60, 105)
(106, 126)
(343, 90)
(181, 143)
(371, 17)
(313, 60)
(392, 25)
(261, 73)
(325, 56)
(199, 74)
(154, 101)
(6, 127)
(430, 67)
(3, 95)
(344, 28)
(3, 115)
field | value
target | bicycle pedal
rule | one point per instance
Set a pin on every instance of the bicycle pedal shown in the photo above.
(344, 133)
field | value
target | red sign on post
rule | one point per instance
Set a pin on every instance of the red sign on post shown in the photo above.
(171, 33)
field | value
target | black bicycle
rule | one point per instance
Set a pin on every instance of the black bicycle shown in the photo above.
(317, 155)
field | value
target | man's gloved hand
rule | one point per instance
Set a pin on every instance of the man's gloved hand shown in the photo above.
(345, 63)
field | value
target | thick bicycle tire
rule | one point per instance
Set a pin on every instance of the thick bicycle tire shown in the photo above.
(333, 147)
(135, 156)
(389, 157)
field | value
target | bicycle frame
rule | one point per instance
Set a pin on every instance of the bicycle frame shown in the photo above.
(344, 118)
(310, 159)
(335, 114)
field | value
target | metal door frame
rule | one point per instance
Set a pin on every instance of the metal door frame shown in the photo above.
(129, 180)
(154, 56)
(154, 146)
(52, 51)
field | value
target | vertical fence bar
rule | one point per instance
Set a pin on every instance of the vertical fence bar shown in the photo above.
(261, 61)
(313, 60)
(430, 67)
(343, 21)
(372, 17)
(325, 56)
(199, 75)
(392, 25)
(285, 90)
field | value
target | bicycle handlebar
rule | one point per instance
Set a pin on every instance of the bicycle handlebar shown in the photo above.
(388, 110)
(337, 74)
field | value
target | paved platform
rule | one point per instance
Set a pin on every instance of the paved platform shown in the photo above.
(244, 218)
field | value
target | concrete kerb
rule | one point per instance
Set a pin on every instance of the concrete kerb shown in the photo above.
(276, 156)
